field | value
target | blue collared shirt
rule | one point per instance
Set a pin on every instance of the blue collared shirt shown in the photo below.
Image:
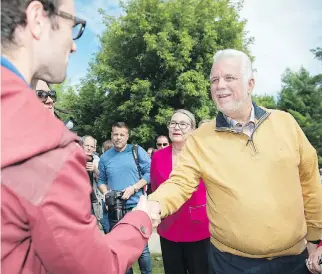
(7, 64)
(247, 128)
(118, 170)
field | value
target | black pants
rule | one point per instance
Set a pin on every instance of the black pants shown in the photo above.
(183, 258)
(226, 263)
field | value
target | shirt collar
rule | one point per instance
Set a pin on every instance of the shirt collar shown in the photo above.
(232, 123)
(8, 65)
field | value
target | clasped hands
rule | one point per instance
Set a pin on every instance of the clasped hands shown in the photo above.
(315, 257)
(152, 208)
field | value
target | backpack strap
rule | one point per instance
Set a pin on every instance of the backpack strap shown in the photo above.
(135, 153)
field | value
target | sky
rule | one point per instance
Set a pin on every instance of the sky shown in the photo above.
(284, 32)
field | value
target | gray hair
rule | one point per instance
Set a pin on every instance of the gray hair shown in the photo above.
(247, 68)
(190, 116)
(88, 136)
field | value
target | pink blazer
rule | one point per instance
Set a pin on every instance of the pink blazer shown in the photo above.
(190, 222)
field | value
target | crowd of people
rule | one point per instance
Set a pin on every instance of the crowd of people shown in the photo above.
(239, 194)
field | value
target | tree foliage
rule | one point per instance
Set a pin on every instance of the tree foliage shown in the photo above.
(153, 60)
(318, 53)
(266, 101)
(157, 57)
(301, 96)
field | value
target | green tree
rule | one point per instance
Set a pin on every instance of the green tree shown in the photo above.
(154, 59)
(301, 96)
(66, 96)
(266, 101)
(318, 53)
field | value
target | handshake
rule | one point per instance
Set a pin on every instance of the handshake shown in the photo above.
(152, 208)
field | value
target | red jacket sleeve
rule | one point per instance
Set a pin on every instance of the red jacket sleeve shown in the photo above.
(320, 244)
(66, 236)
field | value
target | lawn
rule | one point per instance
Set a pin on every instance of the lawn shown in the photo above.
(157, 265)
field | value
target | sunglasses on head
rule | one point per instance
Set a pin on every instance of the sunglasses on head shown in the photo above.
(43, 95)
(162, 144)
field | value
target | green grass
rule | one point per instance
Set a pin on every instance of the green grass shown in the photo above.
(157, 265)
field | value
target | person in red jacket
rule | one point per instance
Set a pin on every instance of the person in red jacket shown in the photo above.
(46, 223)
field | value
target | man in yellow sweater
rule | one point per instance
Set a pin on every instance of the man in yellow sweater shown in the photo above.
(264, 197)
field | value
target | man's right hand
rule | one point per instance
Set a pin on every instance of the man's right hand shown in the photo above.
(152, 208)
(90, 166)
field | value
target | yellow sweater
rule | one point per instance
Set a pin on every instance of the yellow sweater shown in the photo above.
(263, 198)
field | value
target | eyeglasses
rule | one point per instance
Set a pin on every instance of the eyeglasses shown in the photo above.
(43, 95)
(162, 144)
(182, 125)
(79, 24)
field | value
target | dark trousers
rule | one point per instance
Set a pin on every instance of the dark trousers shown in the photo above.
(145, 263)
(183, 258)
(105, 222)
(226, 263)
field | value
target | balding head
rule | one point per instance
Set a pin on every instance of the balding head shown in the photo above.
(89, 145)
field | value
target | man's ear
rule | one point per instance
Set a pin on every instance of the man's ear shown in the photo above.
(251, 85)
(36, 19)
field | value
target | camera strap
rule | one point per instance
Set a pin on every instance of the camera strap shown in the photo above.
(135, 149)
(135, 152)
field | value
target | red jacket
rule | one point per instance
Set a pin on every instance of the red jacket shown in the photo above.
(190, 222)
(46, 222)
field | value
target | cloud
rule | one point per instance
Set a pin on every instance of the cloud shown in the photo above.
(89, 43)
(88, 10)
(284, 33)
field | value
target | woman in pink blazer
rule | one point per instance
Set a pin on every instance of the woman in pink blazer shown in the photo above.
(184, 236)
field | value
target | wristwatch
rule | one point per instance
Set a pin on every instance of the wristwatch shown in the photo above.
(315, 242)
(135, 188)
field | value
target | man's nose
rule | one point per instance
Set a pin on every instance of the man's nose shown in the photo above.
(74, 47)
(221, 83)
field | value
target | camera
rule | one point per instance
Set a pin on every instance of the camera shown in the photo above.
(90, 159)
(116, 205)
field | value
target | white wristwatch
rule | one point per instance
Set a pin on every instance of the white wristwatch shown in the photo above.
(135, 188)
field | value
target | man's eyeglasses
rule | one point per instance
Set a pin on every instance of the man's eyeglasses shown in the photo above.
(162, 144)
(79, 24)
(43, 95)
(182, 125)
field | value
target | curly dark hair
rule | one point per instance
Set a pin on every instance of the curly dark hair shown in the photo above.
(13, 14)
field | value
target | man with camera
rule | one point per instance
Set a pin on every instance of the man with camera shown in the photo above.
(46, 225)
(97, 199)
(124, 170)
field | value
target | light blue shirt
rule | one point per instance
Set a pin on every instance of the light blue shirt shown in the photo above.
(118, 170)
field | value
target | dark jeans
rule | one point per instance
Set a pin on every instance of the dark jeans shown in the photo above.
(145, 263)
(226, 263)
(105, 222)
(184, 258)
